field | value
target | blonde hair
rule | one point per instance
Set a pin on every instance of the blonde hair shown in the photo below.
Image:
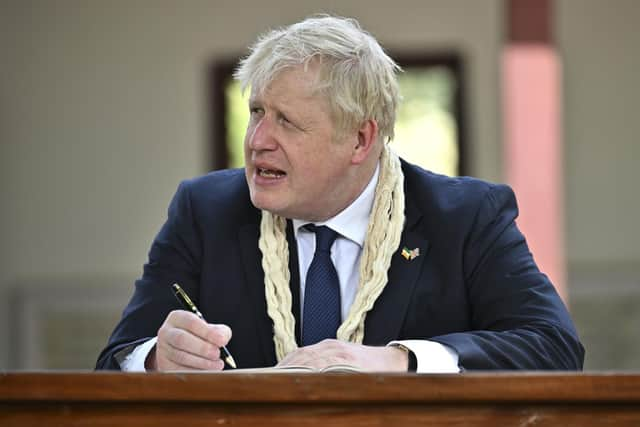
(356, 76)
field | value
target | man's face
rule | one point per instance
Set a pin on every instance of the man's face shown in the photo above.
(295, 167)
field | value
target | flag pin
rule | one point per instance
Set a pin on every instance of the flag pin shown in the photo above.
(410, 254)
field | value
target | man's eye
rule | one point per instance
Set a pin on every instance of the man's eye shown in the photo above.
(256, 110)
(284, 121)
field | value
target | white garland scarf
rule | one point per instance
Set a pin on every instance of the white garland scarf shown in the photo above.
(381, 242)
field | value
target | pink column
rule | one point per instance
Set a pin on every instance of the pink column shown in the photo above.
(531, 92)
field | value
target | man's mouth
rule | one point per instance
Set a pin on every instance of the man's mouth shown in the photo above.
(271, 173)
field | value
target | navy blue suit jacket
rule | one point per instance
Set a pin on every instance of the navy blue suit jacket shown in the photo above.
(475, 286)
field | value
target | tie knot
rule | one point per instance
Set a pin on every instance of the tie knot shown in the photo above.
(324, 237)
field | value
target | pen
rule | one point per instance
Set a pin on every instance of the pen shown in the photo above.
(189, 305)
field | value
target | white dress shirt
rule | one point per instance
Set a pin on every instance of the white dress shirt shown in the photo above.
(351, 224)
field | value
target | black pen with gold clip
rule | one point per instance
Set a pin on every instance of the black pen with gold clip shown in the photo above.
(190, 306)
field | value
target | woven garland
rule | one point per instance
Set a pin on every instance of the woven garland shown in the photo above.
(381, 242)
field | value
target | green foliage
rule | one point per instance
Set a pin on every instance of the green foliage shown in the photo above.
(426, 129)
(237, 119)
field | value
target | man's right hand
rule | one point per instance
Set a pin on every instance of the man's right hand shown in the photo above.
(186, 342)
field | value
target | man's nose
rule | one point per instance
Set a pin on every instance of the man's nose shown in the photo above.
(262, 136)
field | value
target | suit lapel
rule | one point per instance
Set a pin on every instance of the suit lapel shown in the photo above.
(384, 321)
(252, 262)
(294, 281)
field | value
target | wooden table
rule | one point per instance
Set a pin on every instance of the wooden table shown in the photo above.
(289, 399)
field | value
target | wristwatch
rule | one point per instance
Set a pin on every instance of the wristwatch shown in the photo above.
(413, 361)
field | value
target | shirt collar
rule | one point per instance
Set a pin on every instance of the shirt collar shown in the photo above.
(353, 221)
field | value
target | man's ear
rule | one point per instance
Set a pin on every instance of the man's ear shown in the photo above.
(366, 140)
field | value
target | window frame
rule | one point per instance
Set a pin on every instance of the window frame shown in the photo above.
(220, 74)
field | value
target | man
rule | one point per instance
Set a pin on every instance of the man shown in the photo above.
(329, 249)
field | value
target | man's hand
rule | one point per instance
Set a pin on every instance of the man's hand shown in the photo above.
(186, 342)
(334, 352)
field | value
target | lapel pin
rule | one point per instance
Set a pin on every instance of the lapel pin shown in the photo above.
(410, 254)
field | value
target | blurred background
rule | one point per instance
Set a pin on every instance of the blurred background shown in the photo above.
(105, 106)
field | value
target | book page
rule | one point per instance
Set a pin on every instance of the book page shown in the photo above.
(295, 369)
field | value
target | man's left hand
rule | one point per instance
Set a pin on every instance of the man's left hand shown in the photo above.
(333, 352)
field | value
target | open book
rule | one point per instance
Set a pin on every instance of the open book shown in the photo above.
(345, 369)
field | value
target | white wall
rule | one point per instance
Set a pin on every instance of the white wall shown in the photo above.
(600, 45)
(102, 113)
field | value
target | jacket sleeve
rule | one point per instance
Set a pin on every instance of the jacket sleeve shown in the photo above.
(518, 319)
(173, 258)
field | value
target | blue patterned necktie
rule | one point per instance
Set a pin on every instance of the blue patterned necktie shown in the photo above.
(321, 314)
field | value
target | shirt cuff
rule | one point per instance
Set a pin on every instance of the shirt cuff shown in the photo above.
(134, 362)
(432, 357)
